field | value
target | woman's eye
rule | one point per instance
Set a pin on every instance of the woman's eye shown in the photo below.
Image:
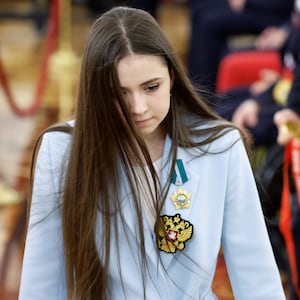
(152, 87)
(124, 92)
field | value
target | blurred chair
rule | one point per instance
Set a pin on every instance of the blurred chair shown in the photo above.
(242, 68)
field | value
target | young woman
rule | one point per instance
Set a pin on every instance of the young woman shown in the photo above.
(134, 198)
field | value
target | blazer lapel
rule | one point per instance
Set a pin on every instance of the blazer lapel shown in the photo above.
(169, 209)
(129, 212)
(189, 189)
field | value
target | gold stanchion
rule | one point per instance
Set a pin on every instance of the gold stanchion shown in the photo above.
(64, 63)
(8, 196)
(63, 68)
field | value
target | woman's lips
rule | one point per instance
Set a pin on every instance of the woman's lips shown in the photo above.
(143, 123)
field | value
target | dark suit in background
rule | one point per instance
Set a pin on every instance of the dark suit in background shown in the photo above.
(212, 22)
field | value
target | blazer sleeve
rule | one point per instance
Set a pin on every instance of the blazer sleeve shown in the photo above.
(43, 270)
(247, 250)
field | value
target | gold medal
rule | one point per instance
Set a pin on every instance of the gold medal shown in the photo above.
(181, 199)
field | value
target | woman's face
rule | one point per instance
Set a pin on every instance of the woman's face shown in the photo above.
(146, 83)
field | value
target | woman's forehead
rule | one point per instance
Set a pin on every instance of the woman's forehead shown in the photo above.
(140, 68)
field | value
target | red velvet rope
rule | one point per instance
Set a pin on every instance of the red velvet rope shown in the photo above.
(50, 45)
(291, 159)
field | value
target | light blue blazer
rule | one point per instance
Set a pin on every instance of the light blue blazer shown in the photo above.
(224, 210)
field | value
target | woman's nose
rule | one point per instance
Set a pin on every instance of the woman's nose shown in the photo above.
(137, 104)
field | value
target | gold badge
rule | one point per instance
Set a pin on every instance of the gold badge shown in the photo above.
(173, 232)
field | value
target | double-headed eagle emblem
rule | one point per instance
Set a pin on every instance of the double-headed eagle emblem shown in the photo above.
(173, 232)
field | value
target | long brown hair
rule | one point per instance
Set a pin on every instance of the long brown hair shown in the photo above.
(105, 141)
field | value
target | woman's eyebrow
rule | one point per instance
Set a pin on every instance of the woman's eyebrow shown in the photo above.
(151, 80)
(146, 82)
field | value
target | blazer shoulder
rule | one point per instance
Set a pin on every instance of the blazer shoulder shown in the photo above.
(226, 137)
(55, 144)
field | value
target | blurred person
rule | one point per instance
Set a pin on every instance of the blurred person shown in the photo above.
(252, 108)
(289, 113)
(211, 27)
(273, 101)
(288, 122)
